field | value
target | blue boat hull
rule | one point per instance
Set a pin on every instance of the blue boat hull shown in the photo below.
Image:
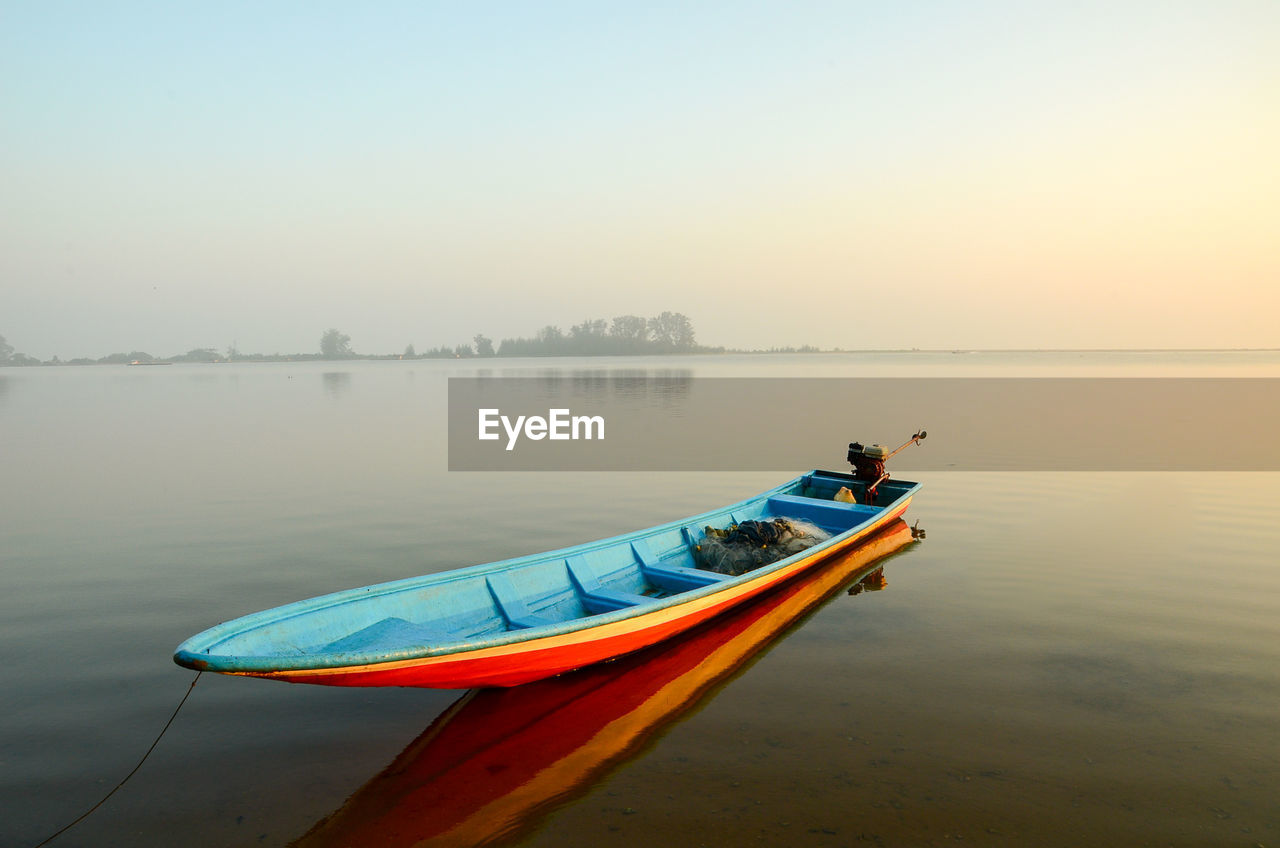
(519, 620)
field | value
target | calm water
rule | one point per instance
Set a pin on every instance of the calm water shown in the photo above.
(1066, 659)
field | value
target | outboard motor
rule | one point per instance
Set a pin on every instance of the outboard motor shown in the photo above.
(867, 461)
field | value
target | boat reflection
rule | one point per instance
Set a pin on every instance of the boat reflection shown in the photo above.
(497, 760)
(873, 582)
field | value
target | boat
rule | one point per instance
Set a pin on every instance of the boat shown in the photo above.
(497, 761)
(515, 621)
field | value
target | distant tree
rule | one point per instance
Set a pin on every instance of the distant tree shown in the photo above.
(335, 345)
(672, 331)
(549, 341)
(6, 350)
(593, 328)
(484, 345)
(463, 350)
(631, 330)
(198, 354)
(588, 338)
(408, 350)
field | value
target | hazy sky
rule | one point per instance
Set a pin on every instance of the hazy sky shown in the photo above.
(937, 175)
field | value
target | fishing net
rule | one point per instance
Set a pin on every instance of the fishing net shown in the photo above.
(743, 547)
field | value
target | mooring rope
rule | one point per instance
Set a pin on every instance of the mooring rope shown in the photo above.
(87, 812)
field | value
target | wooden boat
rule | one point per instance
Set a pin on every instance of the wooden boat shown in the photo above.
(498, 760)
(515, 621)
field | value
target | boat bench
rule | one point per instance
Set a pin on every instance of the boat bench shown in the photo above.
(596, 597)
(673, 578)
(512, 605)
(826, 514)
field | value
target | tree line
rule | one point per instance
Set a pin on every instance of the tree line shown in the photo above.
(667, 333)
(670, 332)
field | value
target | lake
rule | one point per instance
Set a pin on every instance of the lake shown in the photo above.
(1067, 657)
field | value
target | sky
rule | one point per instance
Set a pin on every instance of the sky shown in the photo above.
(852, 175)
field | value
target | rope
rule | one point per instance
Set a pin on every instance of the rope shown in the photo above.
(92, 809)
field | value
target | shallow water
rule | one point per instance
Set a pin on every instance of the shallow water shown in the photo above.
(1067, 657)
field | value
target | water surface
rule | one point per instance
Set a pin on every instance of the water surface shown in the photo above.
(1067, 658)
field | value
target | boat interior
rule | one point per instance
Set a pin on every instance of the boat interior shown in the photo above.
(546, 590)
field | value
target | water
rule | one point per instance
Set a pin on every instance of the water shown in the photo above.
(1067, 658)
